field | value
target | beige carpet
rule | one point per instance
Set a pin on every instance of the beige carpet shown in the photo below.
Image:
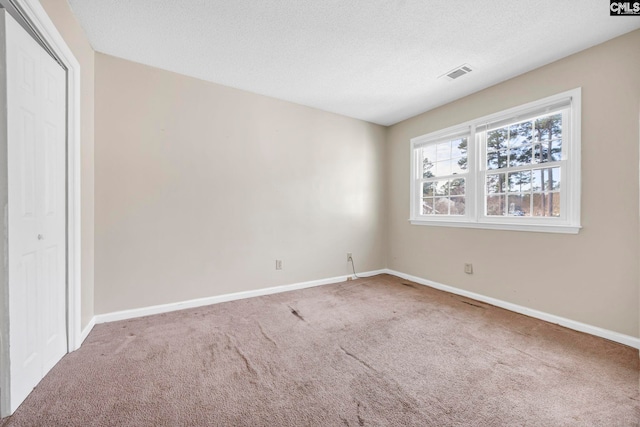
(373, 352)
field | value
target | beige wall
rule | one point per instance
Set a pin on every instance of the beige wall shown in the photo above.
(61, 15)
(591, 277)
(200, 188)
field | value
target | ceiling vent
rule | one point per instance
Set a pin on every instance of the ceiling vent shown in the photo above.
(457, 72)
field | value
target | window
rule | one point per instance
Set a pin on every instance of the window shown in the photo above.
(444, 167)
(516, 170)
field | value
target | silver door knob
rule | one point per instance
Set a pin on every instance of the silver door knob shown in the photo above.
(40, 237)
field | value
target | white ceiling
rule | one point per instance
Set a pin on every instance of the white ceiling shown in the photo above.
(376, 60)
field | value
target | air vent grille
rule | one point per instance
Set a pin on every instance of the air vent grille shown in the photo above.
(458, 72)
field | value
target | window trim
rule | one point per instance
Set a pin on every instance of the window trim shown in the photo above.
(568, 222)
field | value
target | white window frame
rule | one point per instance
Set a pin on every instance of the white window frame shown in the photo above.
(569, 219)
(416, 184)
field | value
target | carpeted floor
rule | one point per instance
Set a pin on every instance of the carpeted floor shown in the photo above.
(372, 352)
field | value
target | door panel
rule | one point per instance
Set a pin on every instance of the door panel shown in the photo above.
(53, 333)
(36, 214)
(27, 71)
(49, 169)
(28, 356)
(27, 160)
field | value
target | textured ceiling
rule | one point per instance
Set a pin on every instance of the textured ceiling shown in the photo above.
(376, 60)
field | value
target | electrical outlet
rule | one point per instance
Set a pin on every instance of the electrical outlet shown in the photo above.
(278, 264)
(349, 256)
(468, 268)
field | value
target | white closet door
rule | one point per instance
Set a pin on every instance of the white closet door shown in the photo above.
(36, 211)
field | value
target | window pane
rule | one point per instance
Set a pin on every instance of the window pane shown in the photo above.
(495, 205)
(443, 168)
(459, 147)
(497, 159)
(459, 166)
(556, 150)
(436, 200)
(442, 206)
(519, 204)
(445, 159)
(444, 150)
(520, 133)
(537, 179)
(555, 178)
(497, 139)
(548, 152)
(457, 206)
(457, 187)
(429, 152)
(441, 188)
(428, 161)
(548, 127)
(541, 153)
(428, 188)
(428, 168)
(546, 179)
(546, 204)
(520, 156)
(427, 206)
(495, 183)
(519, 182)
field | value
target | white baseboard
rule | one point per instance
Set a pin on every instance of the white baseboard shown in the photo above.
(165, 308)
(86, 330)
(551, 318)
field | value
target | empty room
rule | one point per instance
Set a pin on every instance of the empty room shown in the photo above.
(320, 213)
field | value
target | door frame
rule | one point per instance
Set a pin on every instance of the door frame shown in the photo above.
(36, 17)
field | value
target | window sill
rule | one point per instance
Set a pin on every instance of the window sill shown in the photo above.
(538, 228)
